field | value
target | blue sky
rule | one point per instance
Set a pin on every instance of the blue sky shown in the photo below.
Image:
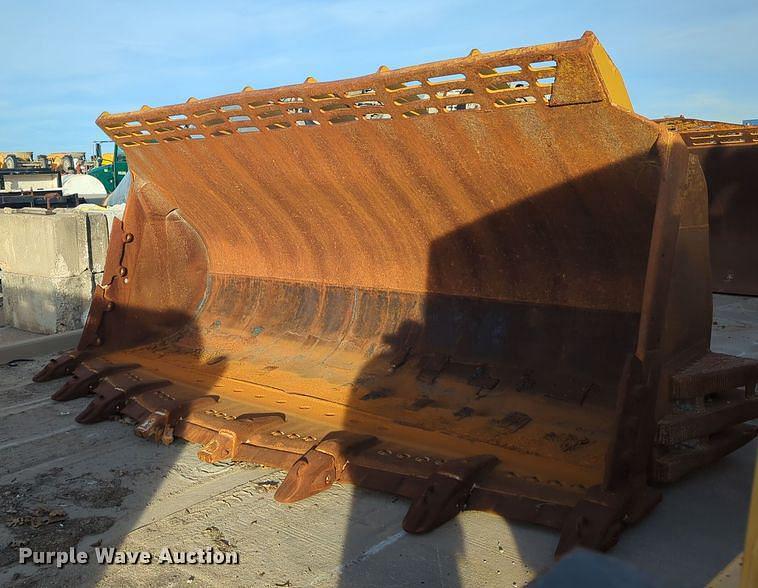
(62, 68)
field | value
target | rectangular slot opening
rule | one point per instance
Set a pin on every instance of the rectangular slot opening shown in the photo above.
(377, 116)
(336, 106)
(543, 65)
(328, 96)
(213, 122)
(456, 77)
(277, 126)
(420, 112)
(343, 118)
(518, 101)
(361, 92)
(504, 86)
(499, 70)
(270, 113)
(412, 98)
(403, 86)
(462, 106)
(369, 104)
(546, 82)
(453, 92)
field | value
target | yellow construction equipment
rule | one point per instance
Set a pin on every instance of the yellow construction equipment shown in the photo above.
(22, 160)
(480, 283)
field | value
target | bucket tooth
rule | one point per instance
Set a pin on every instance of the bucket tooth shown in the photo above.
(322, 466)
(446, 493)
(108, 402)
(61, 366)
(312, 473)
(113, 393)
(86, 377)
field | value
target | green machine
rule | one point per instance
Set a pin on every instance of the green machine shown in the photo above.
(111, 168)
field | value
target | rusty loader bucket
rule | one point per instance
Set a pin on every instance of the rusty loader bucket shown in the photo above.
(480, 283)
(728, 154)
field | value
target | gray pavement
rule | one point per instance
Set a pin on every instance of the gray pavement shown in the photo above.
(62, 484)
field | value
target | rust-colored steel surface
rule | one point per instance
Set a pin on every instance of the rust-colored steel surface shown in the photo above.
(479, 283)
(728, 154)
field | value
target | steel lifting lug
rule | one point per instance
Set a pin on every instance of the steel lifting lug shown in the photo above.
(62, 365)
(323, 465)
(446, 493)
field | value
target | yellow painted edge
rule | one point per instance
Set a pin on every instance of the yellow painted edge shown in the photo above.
(611, 77)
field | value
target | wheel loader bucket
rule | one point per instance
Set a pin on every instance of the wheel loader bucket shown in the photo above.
(480, 283)
(728, 154)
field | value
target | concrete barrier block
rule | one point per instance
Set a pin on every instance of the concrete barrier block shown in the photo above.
(46, 305)
(37, 242)
(98, 227)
